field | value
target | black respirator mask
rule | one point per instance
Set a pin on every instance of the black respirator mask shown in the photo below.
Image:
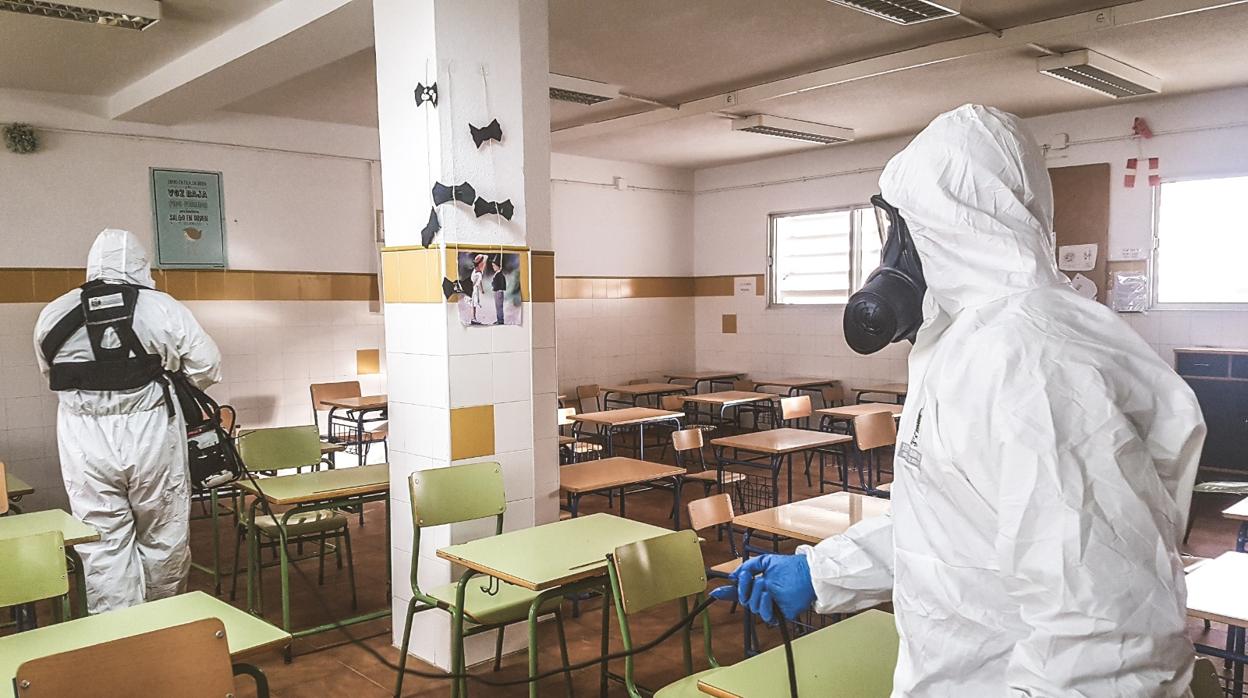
(889, 306)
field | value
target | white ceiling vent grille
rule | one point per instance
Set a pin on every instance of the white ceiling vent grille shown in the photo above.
(793, 129)
(905, 11)
(126, 14)
(565, 88)
(1093, 71)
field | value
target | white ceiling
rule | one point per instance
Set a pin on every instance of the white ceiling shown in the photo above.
(677, 52)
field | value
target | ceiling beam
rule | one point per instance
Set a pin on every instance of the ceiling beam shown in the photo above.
(281, 42)
(1125, 14)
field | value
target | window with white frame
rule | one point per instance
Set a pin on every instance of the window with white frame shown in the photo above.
(1202, 241)
(821, 257)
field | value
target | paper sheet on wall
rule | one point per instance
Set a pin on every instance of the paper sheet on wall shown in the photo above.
(1084, 286)
(744, 286)
(1076, 257)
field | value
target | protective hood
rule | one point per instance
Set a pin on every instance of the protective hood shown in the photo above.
(976, 196)
(117, 255)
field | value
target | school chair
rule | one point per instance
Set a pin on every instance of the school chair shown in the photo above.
(716, 511)
(457, 494)
(688, 445)
(191, 660)
(281, 448)
(652, 572)
(34, 570)
(873, 433)
(588, 392)
(212, 507)
(833, 396)
(585, 446)
(754, 409)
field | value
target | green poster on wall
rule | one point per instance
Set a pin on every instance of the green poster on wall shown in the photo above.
(189, 219)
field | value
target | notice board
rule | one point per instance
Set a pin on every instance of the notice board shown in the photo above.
(189, 218)
(1081, 215)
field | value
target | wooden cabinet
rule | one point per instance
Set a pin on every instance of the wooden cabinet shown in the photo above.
(1219, 377)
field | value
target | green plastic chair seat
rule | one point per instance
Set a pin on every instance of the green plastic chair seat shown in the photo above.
(509, 605)
(1222, 487)
(686, 687)
(303, 524)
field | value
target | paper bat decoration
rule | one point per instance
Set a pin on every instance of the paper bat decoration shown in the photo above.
(431, 228)
(463, 193)
(450, 288)
(499, 208)
(426, 94)
(490, 132)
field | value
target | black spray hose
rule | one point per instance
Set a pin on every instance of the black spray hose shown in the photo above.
(448, 676)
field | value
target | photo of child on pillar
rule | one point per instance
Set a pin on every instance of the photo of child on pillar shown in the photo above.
(491, 285)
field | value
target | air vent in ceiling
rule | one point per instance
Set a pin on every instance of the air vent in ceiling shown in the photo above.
(579, 91)
(793, 129)
(905, 11)
(1093, 71)
(126, 14)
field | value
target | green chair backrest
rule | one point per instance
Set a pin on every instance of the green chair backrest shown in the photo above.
(278, 448)
(33, 569)
(658, 570)
(457, 493)
(1205, 680)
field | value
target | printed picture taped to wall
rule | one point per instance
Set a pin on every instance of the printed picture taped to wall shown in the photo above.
(491, 288)
(189, 219)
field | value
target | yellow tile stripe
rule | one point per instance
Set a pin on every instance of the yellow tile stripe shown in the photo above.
(414, 274)
(584, 287)
(42, 285)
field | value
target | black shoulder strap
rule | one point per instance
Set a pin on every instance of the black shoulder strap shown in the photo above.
(60, 333)
(76, 319)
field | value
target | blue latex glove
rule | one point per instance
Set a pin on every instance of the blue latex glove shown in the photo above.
(771, 580)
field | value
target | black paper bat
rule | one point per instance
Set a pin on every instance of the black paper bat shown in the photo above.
(426, 94)
(450, 288)
(431, 228)
(490, 132)
(500, 208)
(463, 193)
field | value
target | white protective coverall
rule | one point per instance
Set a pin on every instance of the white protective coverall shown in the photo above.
(123, 459)
(1033, 544)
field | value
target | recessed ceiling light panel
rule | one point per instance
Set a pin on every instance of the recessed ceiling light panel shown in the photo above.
(793, 129)
(1102, 74)
(126, 14)
(565, 88)
(905, 11)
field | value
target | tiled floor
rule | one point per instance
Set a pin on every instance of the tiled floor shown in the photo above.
(332, 665)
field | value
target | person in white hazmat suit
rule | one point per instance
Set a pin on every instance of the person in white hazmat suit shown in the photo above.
(1045, 454)
(123, 456)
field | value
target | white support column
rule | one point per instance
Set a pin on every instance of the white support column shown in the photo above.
(462, 394)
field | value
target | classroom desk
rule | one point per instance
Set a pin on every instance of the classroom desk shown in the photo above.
(795, 386)
(897, 390)
(16, 488)
(1215, 592)
(726, 399)
(73, 531)
(303, 492)
(358, 409)
(614, 421)
(812, 520)
(776, 445)
(554, 559)
(697, 378)
(854, 658)
(1239, 512)
(580, 479)
(629, 395)
(246, 634)
(848, 412)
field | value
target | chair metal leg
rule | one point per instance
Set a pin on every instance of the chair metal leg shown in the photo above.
(498, 649)
(563, 650)
(346, 537)
(407, 636)
(320, 575)
(238, 544)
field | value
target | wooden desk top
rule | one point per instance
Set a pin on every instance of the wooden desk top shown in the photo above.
(365, 402)
(565, 440)
(1237, 511)
(1215, 590)
(329, 447)
(703, 375)
(797, 382)
(638, 389)
(322, 485)
(16, 486)
(855, 657)
(246, 634)
(72, 530)
(812, 520)
(730, 397)
(886, 389)
(851, 411)
(627, 416)
(784, 440)
(609, 473)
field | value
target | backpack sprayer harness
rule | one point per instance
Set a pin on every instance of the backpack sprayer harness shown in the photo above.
(121, 362)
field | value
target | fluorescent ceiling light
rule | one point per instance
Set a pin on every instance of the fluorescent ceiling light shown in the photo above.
(905, 11)
(127, 14)
(793, 129)
(1102, 74)
(565, 88)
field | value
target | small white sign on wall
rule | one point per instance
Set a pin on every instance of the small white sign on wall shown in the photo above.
(1129, 254)
(1076, 257)
(745, 286)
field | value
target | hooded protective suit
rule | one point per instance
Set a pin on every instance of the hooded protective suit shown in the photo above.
(1033, 544)
(123, 459)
